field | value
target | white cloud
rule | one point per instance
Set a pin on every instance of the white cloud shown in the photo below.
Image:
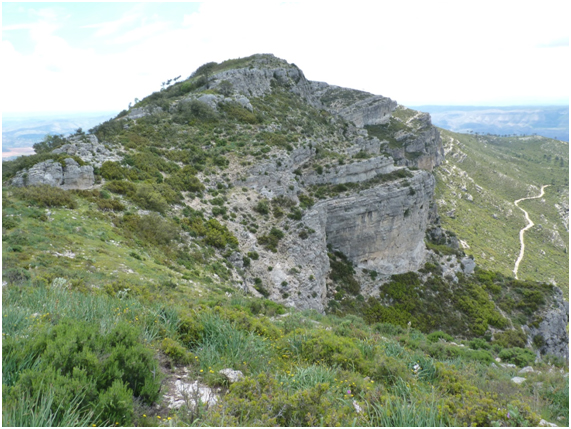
(112, 27)
(414, 52)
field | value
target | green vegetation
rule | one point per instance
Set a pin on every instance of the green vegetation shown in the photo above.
(96, 354)
(490, 224)
(111, 294)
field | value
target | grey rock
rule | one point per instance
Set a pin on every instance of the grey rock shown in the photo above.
(552, 328)
(518, 380)
(139, 112)
(244, 102)
(383, 228)
(211, 100)
(469, 265)
(72, 176)
(88, 149)
(266, 71)
(525, 370)
(545, 423)
(232, 375)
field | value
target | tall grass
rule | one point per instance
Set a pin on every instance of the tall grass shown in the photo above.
(37, 411)
(222, 345)
(302, 378)
(399, 412)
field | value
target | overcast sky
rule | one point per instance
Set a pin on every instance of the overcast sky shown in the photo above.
(61, 57)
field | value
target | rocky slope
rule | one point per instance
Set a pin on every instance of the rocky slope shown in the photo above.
(286, 184)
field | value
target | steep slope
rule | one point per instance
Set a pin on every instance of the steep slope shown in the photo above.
(477, 187)
(254, 131)
(247, 176)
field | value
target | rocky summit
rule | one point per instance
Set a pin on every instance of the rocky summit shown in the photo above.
(248, 230)
(297, 170)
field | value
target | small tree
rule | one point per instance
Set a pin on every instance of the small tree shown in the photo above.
(225, 88)
(204, 71)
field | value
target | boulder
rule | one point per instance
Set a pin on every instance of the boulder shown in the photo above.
(232, 375)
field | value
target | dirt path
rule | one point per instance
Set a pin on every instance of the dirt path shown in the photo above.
(522, 231)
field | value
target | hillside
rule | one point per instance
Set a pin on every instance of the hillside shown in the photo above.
(247, 219)
(477, 186)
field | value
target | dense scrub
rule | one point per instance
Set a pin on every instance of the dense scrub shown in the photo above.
(97, 354)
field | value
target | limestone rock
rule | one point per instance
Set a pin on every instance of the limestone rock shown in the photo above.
(544, 423)
(518, 380)
(50, 172)
(469, 265)
(139, 112)
(265, 72)
(232, 375)
(89, 149)
(383, 228)
(553, 327)
(190, 394)
(525, 370)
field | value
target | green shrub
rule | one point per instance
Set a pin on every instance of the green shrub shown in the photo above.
(262, 207)
(510, 338)
(46, 196)
(152, 228)
(16, 275)
(122, 187)
(518, 356)
(253, 255)
(270, 405)
(76, 359)
(237, 112)
(111, 170)
(388, 329)
(184, 180)
(271, 240)
(479, 343)
(296, 214)
(9, 222)
(342, 273)
(111, 205)
(437, 335)
(175, 351)
(116, 404)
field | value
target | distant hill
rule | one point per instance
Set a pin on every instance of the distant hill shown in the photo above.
(547, 121)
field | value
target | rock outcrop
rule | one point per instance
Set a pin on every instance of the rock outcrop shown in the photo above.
(419, 146)
(70, 175)
(88, 148)
(383, 228)
(265, 72)
(553, 327)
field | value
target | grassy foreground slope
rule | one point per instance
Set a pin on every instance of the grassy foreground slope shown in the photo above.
(102, 315)
(476, 190)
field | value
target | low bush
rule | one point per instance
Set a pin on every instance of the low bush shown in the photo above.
(518, 356)
(510, 338)
(270, 241)
(46, 196)
(437, 335)
(75, 359)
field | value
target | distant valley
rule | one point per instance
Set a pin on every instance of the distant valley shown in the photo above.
(547, 121)
(20, 132)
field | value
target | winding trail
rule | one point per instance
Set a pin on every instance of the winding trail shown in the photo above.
(522, 231)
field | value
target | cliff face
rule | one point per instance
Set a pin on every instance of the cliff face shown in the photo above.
(383, 228)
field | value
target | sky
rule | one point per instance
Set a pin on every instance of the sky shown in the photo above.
(88, 57)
